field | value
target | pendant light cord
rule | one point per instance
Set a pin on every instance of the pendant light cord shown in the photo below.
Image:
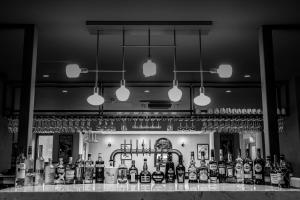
(200, 59)
(149, 42)
(97, 61)
(123, 54)
(175, 57)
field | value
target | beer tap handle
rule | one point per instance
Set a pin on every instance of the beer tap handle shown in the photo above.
(125, 147)
(137, 147)
(143, 148)
(149, 147)
(130, 146)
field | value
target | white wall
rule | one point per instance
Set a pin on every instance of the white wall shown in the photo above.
(190, 142)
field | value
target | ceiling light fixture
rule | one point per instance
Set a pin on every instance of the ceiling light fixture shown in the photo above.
(175, 93)
(247, 76)
(123, 93)
(46, 75)
(228, 91)
(96, 99)
(73, 70)
(149, 67)
(202, 99)
(224, 71)
(147, 91)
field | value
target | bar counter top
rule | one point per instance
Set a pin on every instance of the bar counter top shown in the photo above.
(149, 191)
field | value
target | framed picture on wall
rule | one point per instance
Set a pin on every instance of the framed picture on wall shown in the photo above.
(127, 156)
(203, 148)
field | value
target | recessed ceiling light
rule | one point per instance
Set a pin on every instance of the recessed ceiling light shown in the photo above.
(247, 76)
(64, 91)
(228, 91)
(46, 75)
(147, 91)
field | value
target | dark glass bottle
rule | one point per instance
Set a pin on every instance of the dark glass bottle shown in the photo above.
(248, 168)
(70, 172)
(230, 177)
(267, 170)
(79, 170)
(259, 164)
(145, 175)
(133, 173)
(284, 173)
(180, 171)
(221, 168)
(99, 170)
(213, 168)
(203, 170)
(158, 176)
(192, 170)
(274, 172)
(170, 170)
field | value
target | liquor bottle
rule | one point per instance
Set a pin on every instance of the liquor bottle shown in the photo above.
(29, 168)
(259, 164)
(267, 170)
(70, 172)
(273, 173)
(60, 172)
(158, 176)
(49, 173)
(110, 173)
(133, 173)
(239, 171)
(170, 170)
(99, 170)
(284, 173)
(213, 168)
(221, 168)
(89, 170)
(230, 178)
(145, 175)
(39, 167)
(180, 171)
(79, 170)
(192, 170)
(122, 172)
(203, 170)
(20, 171)
(248, 169)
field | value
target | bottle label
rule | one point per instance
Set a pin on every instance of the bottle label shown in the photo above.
(213, 167)
(79, 173)
(193, 176)
(20, 171)
(258, 168)
(221, 170)
(247, 167)
(229, 172)
(70, 174)
(49, 175)
(238, 167)
(180, 176)
(203, 175)
(89, 172)
(132, 176)
(122, 174)
(145, 179)
(267, 179)
(274, 178)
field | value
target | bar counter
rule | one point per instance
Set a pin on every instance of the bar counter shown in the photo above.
(149, 192)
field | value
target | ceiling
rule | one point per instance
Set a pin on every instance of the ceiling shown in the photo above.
(63, 36)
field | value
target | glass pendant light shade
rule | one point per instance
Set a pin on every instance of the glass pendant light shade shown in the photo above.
(149, 68)
(73, 70)
(224, 71)
(95, 99)
(175, 93)
(202, 99)
(122, 93)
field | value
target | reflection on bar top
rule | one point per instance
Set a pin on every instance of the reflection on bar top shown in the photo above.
(146, 188)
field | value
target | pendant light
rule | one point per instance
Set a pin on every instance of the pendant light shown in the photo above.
(175, 93)
(96, 99)
(202, 99)
(149, 67)
(123, 93)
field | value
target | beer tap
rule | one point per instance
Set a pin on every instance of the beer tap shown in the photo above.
(130, 146)
(149, 150)
(137, 147)
(143, 148)
(125, 147)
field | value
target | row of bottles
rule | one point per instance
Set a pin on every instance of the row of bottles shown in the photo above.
(241, 170)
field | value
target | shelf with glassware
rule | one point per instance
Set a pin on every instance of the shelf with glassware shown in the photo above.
(225, 169)
(221, 119)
